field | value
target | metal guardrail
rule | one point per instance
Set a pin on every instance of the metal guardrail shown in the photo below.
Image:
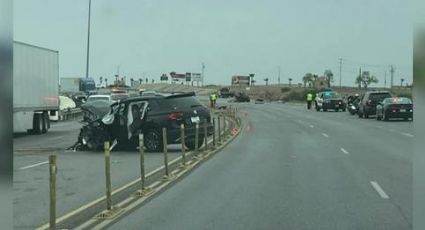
(69, 114)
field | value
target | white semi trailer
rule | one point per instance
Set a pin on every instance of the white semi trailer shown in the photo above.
(35, 87)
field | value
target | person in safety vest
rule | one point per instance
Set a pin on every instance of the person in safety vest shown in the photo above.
(213, 98)
(309, 100)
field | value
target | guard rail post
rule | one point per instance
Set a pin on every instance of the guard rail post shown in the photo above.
(165, 150)
(219, 129)
(182, 138)
(143, 190)
(206, 134)
(52, 209)
(196, 139)
(213, 135)
(108, 176)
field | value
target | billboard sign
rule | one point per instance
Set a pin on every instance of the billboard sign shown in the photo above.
(196, 77)
(240, 80)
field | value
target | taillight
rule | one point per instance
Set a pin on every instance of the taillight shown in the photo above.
(175, 116)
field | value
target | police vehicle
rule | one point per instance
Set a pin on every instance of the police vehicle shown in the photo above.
(329, 100)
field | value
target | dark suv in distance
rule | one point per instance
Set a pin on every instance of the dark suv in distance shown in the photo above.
(170, 111)
(369, 101)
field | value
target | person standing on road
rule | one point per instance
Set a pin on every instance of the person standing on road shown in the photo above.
(213, 98)
(309, 100)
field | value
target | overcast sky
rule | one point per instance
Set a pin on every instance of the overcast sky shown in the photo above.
(232, 37)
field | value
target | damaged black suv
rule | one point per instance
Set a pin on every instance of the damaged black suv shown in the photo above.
(148, 115)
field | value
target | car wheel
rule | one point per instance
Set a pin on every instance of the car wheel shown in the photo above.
(378, 117)
(153, 140)
(365, 114)
(360, 114)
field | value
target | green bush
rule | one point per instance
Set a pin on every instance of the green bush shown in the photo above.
(285, 89)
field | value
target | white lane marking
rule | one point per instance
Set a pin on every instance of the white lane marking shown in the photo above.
(344, 151)
(56, 138)
(325, 135)
(379, 190)
(311, 126)
(408, 134)
(34, 165)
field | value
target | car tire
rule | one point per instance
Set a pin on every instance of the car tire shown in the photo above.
(378, 117)
(325, 109)
(365, 115)
(153, 140)
(360, 114)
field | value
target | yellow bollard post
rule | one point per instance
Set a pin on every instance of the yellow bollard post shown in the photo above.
(52, 210)
(182, 137)
(108, 176)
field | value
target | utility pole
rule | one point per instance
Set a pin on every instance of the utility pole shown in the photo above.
(385, 79)
(88, 42)
(340, 72)
(360, 75)
(278, 76)
(203, 71)
(392, 75)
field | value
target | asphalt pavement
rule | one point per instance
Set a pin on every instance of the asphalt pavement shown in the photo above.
(80, 177)
(294, 169)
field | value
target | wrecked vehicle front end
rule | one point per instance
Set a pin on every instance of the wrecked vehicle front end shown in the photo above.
(95, 130)
(118, 123)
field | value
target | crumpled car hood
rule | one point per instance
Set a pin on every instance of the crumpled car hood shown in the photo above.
(96, 109)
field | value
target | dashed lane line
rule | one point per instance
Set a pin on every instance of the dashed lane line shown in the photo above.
(408, 134)
(344, 151)
(325, 135)
(33, 165)
(379, 190)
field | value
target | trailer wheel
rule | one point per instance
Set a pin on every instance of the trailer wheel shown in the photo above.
(37, 123)
(44, 122)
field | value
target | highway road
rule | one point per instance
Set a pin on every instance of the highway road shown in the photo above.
(81, 174)
(294, 169)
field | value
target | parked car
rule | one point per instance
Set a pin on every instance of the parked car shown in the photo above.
(148, 93)
(329, 100)
(147, 115)
(242, 97)
(395, 107)
(369, 101)
(259, 101)
(99, 97)
(352, 103)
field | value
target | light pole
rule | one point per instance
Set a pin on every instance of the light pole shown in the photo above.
(88, 42)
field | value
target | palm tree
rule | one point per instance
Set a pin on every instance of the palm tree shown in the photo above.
(140, 81)
(131, 82)
(146, 80)
(401, 81)
(329, 77)
(267, 81)
(106, 82)
(290, 81)
(100, 80)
